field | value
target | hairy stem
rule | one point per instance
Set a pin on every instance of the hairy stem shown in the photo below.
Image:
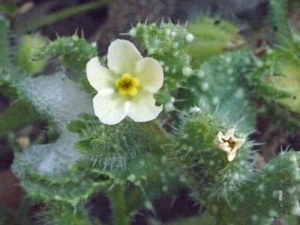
(117, 201)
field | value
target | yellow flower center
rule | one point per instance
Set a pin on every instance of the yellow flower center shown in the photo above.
(127, 84)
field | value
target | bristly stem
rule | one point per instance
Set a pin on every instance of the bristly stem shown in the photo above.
(278, 17)
(117, 201)
(153, 128)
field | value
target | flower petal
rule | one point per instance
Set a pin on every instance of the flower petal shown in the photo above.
(229, 134)
(150, 74)
(219, 138)
(225, 147)
(122, 57)
(99, 76)
(110, 108)
(231, 155)
(239, 142)
(143, 107)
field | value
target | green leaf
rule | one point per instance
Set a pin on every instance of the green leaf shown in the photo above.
(18, 115)
(76, 126)
(83, 146)
(111, 145)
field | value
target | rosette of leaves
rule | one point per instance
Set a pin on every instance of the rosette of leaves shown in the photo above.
(133, 154)
(119, 147)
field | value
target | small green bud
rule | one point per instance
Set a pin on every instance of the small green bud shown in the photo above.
(75, 37)
(291, 83)
(30, 46)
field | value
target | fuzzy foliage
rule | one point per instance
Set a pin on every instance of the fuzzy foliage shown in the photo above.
(18, 115)
(74, 52)
(167, 44)
(275, 78)
(277, 186)
(20, 112)
(110, 146)
(220, 83)
(72, 187)
(233, 191)
(234, 79)
(126, 150)
(214, 36)
(59, 213)
(286, 70)
(262, 79)
(278, 22)
(136, 162)
(205, 166)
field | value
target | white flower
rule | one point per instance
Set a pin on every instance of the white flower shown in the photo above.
(229, 143)
(126, 88)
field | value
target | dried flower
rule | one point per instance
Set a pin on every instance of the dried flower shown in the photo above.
(126, 88)
(195, 109)
(229, 143)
